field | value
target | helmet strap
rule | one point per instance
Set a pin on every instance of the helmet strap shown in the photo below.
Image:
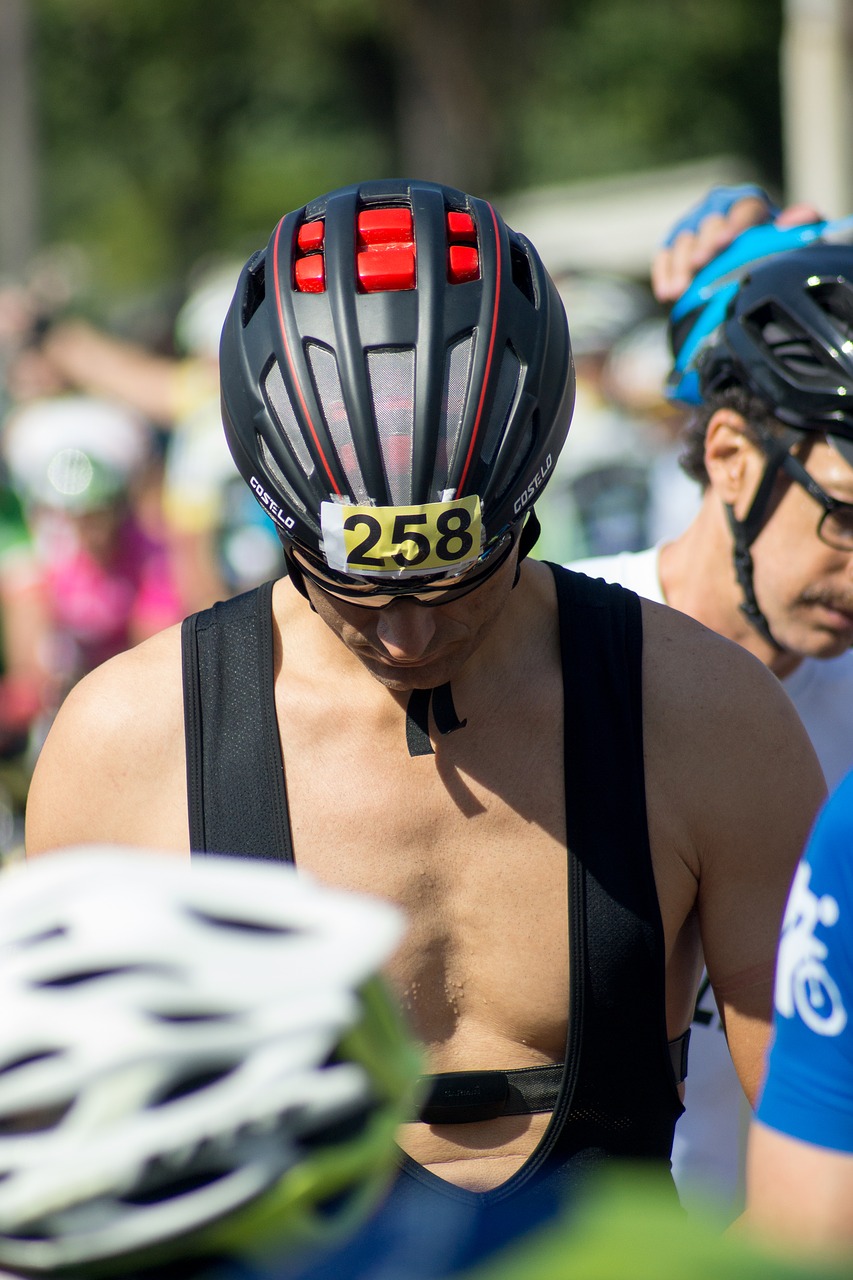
(296, 576)
(417, 717)
(744, 532)
(527, 541)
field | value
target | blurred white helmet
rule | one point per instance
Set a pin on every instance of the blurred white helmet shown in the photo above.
(195, 1059)
(198, 326)
(74, 452)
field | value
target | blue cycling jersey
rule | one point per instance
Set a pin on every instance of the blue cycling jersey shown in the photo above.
(808, 1092)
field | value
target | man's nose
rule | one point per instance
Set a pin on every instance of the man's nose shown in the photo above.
(405, 630)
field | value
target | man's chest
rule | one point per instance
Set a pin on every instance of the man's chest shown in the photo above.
(472, 846)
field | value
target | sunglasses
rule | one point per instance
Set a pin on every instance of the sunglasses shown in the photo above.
(427, 592)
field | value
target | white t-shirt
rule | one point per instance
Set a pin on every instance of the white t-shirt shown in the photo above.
(710, 1138)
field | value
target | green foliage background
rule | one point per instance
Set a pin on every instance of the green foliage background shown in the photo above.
(174, 129)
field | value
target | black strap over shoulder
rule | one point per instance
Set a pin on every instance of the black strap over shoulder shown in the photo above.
(235, 775)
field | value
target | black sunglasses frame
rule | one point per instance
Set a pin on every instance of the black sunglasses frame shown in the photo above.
(831, 506)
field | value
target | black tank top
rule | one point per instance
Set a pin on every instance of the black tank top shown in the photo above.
(618, 1097)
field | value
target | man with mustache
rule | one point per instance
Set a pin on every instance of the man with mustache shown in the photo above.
(762, 351)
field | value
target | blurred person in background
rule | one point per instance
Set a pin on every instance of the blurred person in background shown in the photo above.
(92, 578)
(761, 341)
(633, 378)
(221, 541)
(597, 500)
(218, 540)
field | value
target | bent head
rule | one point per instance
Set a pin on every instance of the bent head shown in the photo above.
(397, 384)
(409, 640)
(774, 438)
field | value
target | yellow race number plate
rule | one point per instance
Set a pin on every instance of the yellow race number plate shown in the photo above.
(398, 541)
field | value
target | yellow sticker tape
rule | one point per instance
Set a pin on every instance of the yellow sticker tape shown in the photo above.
(400, 541)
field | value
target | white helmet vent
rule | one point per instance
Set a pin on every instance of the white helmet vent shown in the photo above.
(278, 402)
(278, 475)
(324, 369)
(392, 386)
(456, 375)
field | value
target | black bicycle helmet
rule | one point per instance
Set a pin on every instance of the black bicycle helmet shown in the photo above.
(781, 327)
(788, 336)
(395, 345)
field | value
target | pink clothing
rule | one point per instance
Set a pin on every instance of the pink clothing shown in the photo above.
(99, 610)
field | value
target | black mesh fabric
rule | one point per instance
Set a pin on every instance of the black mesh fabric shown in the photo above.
(235, 777)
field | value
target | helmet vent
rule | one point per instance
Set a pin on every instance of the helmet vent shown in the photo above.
(836, 299)
(327, 383)
(181, 1086)
(279, 405)
(278, 475)
(522, 276)
(255, 290)
(234, 923)
(522, 450)
(392, 385)
(503, 403)
(456, 374)
(15, 1065)
(81, 977)
(791, 346)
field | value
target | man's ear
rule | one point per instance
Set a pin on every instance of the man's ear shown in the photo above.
(733, 461)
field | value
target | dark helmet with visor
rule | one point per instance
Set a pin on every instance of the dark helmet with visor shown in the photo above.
(397, 380)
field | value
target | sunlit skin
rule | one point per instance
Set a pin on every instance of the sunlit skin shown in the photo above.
(804, 587)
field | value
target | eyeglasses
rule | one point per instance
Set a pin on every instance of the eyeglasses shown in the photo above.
(835, 526)
(425, 592)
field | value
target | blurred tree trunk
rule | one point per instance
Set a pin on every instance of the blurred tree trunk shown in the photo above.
(464, 64)
(19, 231)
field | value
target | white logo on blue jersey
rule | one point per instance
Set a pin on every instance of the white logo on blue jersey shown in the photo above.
(803, 984)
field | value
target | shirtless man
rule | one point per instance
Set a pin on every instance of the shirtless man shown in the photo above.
(476, 736)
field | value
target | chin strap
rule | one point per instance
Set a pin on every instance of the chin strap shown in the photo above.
(417, 717)
(441, 698)
(744, 532)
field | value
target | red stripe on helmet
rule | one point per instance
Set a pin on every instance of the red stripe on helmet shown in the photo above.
(476, 430)
(290, 363)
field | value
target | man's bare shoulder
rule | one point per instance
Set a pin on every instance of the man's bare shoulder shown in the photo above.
(133, 693)
(716, 717)
(112, 767)
(689, 667)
